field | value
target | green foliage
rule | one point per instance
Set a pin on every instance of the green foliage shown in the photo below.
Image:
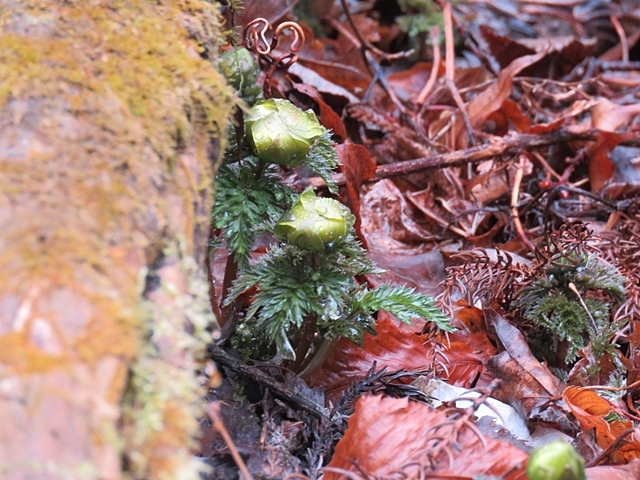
(292, 285)
(315, 223)
(552, 304)
(401, 301)
(328, 292)
(279, 132)
(419, 17)
(250, 195)
(239, 68)
(307, 287)
(323, 160)
(250, 198)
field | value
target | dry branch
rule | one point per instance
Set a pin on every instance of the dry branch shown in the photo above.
(499, 147)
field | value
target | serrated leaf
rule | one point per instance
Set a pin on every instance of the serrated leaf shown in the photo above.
(322, 159)
(250, 198)
(405, 303)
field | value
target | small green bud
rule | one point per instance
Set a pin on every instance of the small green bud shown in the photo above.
(315, 224)
(557, 460)
(239, 68)
(279, 132)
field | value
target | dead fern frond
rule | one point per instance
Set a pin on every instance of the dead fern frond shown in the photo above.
(482, 280)
(622, 249)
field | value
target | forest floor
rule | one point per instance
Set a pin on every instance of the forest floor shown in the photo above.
(500, 174)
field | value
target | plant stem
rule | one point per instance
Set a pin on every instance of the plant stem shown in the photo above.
(213, 298)
(315, 361)
(307, 336)
(227, 313)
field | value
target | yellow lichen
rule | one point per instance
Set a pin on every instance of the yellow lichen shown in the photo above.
(108, 112)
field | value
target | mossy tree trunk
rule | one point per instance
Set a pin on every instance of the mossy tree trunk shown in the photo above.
(111, 124)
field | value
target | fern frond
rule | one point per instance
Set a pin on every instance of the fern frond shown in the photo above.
(403, 302)
(323, 160)
(600, 275)
(249, 198)
(350, 258)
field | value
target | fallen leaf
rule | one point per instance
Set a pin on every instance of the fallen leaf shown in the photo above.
(610, 116)
(327, 116)
(422, 271)
(631, 471)
(462, 358)
(396, 346)
(357, 166)
(389, 437)
(517, 347)
(407, 84)
(492, 98)
(388, 222)
(518, 386)
(594, 412)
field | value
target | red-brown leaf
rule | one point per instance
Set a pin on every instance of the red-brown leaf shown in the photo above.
(357, 167)
(594, 412)
(396, 346)
(389, 436)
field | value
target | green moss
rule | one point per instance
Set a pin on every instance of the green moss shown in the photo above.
(109, 113)
(164, 401)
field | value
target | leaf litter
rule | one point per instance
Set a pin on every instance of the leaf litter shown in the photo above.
(496, 165)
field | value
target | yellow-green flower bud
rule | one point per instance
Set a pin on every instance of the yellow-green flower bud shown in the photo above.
(315, 224)
(557, 460)
(239, 68)
(279, 132)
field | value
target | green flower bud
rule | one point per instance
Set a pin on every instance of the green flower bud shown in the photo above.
(279, 132)
(557, 460)
(239, 69)
(315, 224)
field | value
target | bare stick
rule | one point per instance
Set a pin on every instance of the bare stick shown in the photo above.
(515, 194)
(426, 91)
(509, 145)
(218, 425)
(624, 43)
(448, 42)
(278, 388)
(450, 70)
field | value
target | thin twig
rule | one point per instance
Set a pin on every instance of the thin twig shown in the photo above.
(279, 389)
(368, 52)
(619, 442)
(624, 43)
(450, 70)
(515, 195)
(612, 389)
(503, 146)
(435, 67)
(218, 425)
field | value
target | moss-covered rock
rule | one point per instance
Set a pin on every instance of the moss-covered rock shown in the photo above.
(112, 125)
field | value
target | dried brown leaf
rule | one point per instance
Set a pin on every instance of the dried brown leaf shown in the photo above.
(388, 221)
(462, 358)
(396, 346)
(395, 438)
(327, 116)
(631, 471)
(357, 167)
(594, 412)
(517, 347)
(491, 99)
